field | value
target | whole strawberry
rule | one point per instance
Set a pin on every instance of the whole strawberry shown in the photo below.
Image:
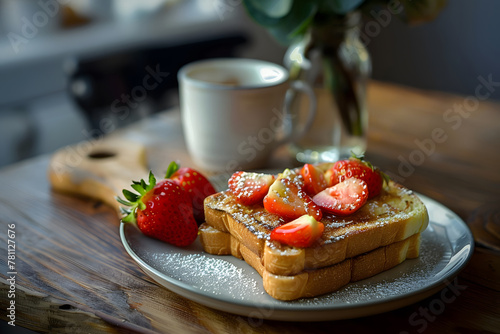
(357, 167)
(195, 184)
(161, 210)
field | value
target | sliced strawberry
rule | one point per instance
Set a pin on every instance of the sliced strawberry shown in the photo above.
(287, 200)
(293, 176)
(359, 168)
(331, 177)
(250, 188)
(314, 179)
(343, 198)
(161, 210)
(301, 232)
(195, 184)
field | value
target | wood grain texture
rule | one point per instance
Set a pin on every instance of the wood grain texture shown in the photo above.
(74, 275)
(485, 225)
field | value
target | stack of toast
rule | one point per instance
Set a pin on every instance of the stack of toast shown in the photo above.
(382, 234)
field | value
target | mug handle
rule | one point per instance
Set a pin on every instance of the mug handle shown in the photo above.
(302, 87)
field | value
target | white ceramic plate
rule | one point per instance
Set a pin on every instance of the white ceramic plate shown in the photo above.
(229, 284)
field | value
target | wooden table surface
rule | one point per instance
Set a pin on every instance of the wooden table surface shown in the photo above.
(74, 276)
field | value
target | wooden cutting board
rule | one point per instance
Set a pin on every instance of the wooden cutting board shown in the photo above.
(98, 169)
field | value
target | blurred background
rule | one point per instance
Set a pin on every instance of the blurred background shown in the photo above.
(75, 69)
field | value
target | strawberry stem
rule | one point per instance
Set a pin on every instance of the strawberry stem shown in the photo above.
(133, 201)
(361, 157)
(171, 169)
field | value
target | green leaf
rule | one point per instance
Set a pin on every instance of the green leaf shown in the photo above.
(124, 211)
(121, 201)
(171, 169)
(135, 200)
(287, 27)
(288, 19)
(360, 156)
(273, 8)
(152, 181)
(263, 13)
(130, 218)
(138, 188)
(284, 35)
(385, 177)
(130, 195)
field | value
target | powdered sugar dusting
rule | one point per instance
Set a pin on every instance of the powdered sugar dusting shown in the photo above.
(232, 279)
(214, 275)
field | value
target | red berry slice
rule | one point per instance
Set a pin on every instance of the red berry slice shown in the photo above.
(250, 188)
(314, 179)
(287, 200)
(360, 169)
(301, 232)
(343, 198)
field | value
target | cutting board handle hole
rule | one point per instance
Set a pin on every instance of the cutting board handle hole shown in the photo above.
(101, 155)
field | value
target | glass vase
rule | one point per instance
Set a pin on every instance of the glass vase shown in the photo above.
(332, 59)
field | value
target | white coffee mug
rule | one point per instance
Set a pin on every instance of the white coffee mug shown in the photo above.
(234, 111)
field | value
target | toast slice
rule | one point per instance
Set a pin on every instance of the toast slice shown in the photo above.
(315, 282)
(393, 216)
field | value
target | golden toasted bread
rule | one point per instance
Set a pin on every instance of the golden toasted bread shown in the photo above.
(393, 216)
(314, 282)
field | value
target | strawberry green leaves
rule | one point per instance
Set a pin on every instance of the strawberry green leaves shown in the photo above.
(133, 200)
(161, 210)
(171, 169)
